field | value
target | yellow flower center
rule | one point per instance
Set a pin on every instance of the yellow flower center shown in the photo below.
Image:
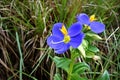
(66, 39)
(92, 18)
(65, 33)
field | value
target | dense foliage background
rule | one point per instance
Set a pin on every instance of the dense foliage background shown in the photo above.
(25, 25)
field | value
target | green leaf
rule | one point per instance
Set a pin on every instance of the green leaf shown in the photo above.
(62, 63)
(105, 76)
(77, 77)
(80, 67)
(57, 77)
(83, 47)
(74, 53)
(90, 54)
(93, 49)
(85, 44)
(82, 50)
(93, 36)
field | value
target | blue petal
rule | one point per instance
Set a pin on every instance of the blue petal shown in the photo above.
(56, 29)
(63, 49)
(55, 42)
(83, 19)
(97, 27)
(74, 29)
(77, 40)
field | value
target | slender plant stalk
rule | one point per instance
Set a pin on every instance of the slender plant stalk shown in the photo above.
(71, 68)
(21, 59)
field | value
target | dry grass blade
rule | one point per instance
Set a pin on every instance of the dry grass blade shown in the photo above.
(7, 68)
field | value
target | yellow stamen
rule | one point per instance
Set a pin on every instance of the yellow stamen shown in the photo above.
(65, 33)
(92, 18)
(63, 30)
(66, 39)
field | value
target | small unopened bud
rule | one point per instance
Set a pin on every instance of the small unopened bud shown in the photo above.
(95, 57)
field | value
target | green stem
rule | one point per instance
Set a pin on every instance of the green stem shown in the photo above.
(71, 68)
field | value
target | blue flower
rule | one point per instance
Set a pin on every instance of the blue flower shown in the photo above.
(61, 38)
(91, 22)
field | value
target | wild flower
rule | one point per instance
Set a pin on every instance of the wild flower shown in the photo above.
(61, 39)
(91, 23)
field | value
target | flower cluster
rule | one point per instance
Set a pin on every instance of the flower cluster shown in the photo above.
(61, 38)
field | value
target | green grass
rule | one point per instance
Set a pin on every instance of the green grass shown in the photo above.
(25, 26)
(21, 57)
